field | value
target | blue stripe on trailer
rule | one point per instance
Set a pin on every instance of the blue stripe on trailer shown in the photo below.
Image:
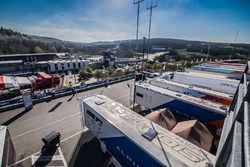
(127, 153)
(192, 111)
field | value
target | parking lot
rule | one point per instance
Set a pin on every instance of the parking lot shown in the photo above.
(62, 114)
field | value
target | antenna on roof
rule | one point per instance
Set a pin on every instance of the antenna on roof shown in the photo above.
(137, 2)
(151, 7)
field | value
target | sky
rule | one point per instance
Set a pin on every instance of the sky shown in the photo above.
(108, 20)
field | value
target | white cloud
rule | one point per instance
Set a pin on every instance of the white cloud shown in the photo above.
(116, 20)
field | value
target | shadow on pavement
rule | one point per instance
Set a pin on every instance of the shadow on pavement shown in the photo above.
(15, 117)
(71, 98)
(45, 157)
(55, 107)
(88, 153)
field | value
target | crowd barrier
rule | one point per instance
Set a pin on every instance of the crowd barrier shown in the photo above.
(40, 97)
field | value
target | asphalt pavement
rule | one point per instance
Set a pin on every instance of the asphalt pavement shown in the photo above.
(62, 114)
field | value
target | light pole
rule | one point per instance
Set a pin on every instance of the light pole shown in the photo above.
(151, 7)
(137, 2)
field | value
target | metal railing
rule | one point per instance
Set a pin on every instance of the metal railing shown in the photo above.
(234, 146)
(36, 98)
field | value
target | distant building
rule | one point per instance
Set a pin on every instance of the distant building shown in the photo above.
(18, 66)
(35, 57)
(95, 58)
(109, 59)
(159, 49)
(58, 66)
(47, 62)
(130, 61)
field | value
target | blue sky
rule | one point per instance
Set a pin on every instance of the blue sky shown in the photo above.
(95, 20)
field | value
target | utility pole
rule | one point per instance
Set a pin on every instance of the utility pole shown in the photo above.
(235, 40)
(143, 47)
(137, 2)
(151, 7)
(208, 50)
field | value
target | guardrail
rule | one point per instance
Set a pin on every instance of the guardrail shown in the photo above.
(37, 98)
(234, 146)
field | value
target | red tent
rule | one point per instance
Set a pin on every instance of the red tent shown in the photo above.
(1, 83)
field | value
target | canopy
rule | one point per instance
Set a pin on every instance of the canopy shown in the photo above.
(163, 118)
(23, 81)
(195, 132)
(1, 83)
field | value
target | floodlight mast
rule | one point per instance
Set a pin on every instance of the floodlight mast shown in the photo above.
(151, 7)
(137, 2)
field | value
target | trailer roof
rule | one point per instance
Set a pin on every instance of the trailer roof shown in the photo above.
(3, 130)
(166, 147)
(195, 88)
(216, 107)
(207, 75)
(228, 68)
(225, 63)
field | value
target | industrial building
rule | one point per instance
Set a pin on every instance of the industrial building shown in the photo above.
(47, 62)
(34, 57)
(66, 65)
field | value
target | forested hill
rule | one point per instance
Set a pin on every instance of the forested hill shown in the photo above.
(12, 42)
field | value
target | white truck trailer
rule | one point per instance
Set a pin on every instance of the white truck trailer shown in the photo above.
(215, 82)
(133, 140)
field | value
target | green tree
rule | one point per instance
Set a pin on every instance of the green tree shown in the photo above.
(38, 50)
(85, 73)
(98, 74)
(127, 71)
(156, 67)
(110, 71)
(147, 66)
(119, 72)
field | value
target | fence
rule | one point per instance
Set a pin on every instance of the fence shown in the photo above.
(234, 146)
(37, 98)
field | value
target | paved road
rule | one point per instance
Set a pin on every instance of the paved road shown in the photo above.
(63, 114)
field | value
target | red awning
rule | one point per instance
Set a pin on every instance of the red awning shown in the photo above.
(1, 83)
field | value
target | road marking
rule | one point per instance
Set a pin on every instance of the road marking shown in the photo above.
(119, 98)
(84, 130)
(33, 130)
(45, 125)
(63, 159)
(49, 158)
(65, 139)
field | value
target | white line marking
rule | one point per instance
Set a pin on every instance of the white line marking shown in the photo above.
(65, 139)
(45, 125)
(119, 98)
(84, 130)
(63, 159)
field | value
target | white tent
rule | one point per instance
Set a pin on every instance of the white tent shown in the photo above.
(23, 81)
